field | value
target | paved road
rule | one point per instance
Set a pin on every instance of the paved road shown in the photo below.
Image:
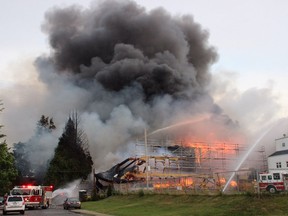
(52, 211)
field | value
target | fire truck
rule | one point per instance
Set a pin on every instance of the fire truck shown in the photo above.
(34, 196)
(273, 182)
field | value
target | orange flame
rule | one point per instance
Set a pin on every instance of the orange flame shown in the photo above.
(222, 181)
(233, 183)
(184, 182)
(215, 149)
(161, 185)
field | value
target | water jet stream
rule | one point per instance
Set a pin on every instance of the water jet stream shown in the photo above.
(195, 120)
(244, 158)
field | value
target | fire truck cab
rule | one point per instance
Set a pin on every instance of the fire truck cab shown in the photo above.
(34, 196)
(273, 182)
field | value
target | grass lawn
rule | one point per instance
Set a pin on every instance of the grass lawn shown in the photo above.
(178, 205)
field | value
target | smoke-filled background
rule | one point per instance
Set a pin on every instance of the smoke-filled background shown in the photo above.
(126, 69)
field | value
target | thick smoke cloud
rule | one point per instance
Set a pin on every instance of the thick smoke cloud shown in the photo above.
(119, 44)
(126, 69)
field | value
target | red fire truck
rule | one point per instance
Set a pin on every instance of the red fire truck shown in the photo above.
(34, 196)
(273, 182)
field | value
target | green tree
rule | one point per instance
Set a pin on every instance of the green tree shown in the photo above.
(21, 161)
(45, 124)
(72, 159)
(8, 171)
(1, 109)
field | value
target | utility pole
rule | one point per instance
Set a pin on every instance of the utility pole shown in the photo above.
(94, 180)
(147, 159)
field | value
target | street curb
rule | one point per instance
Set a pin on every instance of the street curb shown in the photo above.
(86, 212)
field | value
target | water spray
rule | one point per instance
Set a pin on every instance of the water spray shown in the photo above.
(244, 158)
(194, 120)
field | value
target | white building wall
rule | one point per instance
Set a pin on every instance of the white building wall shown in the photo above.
(278, 163)
(281, 143)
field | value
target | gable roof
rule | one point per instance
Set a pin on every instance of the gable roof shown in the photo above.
(283, 152)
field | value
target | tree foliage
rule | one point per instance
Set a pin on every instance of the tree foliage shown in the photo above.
(45, 124)
(72, 159)
(1, 109)
(8, 171)
(21, 161)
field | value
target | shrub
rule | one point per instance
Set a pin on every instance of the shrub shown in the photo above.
(109, 191)
(140, 193)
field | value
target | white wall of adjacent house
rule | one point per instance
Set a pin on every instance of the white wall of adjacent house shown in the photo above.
(282, 143)
(278, 163)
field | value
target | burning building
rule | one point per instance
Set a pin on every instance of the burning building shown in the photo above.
(123, 172)
(177, 166)
(126, 69)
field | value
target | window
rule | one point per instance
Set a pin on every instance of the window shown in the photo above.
(278, 165)
(286, 163)
(20, 191)
(283, 144)
(276, 176)
(14, 199)
(269, 177)
(263, 178)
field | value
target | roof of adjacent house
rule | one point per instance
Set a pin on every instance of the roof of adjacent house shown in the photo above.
(283, 152)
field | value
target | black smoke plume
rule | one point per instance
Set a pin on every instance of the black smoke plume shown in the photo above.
(127, 69)
(119, 45)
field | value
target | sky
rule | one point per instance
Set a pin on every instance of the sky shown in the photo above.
(250, 37)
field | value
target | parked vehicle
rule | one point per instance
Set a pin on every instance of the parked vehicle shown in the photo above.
(1, 202)
(34, 196)
(273, 182)
(72, 202)
(14, 204)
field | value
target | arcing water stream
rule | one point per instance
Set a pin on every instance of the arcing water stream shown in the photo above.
(204, 117)
(194, 120)
(244, 158)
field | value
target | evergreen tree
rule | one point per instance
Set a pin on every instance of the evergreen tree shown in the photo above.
(72, 159)
(1, 109)
(22, 164)
(45, 124)
(8, 171)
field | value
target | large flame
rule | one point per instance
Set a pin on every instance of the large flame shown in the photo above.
(212, 148)
(182, 182)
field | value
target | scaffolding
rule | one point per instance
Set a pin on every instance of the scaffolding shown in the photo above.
(194, 166)
(196, 157)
